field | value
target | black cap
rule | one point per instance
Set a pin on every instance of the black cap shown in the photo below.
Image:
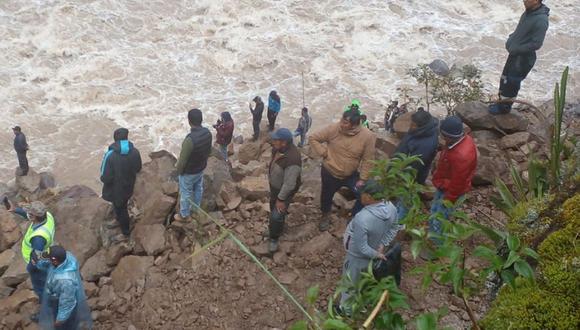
(421, 117)
(16, 128)
(372, 187)
(57, 253)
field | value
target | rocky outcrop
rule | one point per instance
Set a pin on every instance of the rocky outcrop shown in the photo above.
(131, 272)
(477, 116)
(9, 230)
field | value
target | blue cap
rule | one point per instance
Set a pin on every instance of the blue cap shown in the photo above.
(452, 127)
(282, 134)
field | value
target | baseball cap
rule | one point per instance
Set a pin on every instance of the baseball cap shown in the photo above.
(282, 134)
(55, 252)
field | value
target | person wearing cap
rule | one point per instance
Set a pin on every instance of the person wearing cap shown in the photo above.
(256, 108)
(454, 172)
(119, 169)
(63, 304)
(348, 151)
(38, 237)
(369, 234)
(304, 124)
(225, 132)
(21, 147)
(274, 107)
(195, 151)
(284, 176)
(421, 140)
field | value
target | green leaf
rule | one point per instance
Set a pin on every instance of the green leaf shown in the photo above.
(484, 252)
(524, 269)
(509, 278)
(426, 321)
(513, 242)
(513, 257)
(531, 253)
(300, 325)
(331, 324)
(416, 248)
(312, 295)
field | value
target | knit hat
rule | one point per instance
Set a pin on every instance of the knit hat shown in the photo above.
(452, 127)
(372, 187)
(421, 117)
(282, 134)
(36, 209)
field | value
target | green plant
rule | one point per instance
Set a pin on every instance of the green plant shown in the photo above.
(557, 142)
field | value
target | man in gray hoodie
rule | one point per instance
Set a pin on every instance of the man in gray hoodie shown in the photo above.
(521, 45)
(369, 234)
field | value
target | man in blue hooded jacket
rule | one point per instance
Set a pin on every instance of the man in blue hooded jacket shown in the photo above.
(521, 45)
(64, 305)
(119, 171)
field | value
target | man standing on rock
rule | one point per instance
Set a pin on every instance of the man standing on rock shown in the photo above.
(225, 132)
(37, 239)
(195, 151)
(344, 147)
(64, 304)
(256, 111)
(285, 178)
(119, 171)
(455, 170)
(274, 107)
(304, 124)
(368, 235)
(521, 45)
(21, 147)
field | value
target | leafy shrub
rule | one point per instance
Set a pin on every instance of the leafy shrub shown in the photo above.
(561, 244)
(531, 308)
(571, 211)
(525, 220)
(563, 278)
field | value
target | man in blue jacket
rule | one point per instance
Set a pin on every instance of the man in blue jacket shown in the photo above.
(119, 171)
(64, 304)
(274, 107)
(521, 45)
(21, 147)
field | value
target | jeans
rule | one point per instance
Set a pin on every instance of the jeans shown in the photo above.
(330, 186)
(272, 119)
(22, 162)
(438, 207)
(224, 151)
(302, 137)
(190, 190)
(256, 126)
(122, 216)
(37, 278)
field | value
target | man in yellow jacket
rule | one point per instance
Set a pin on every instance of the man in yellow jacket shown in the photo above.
(347, 150)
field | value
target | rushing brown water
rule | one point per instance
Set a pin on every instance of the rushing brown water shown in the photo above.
(72, 71)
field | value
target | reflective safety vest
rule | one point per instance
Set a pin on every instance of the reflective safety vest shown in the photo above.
(45, 231)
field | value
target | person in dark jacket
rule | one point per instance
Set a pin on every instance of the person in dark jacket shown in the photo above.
(421, 140)
(257, 109)
(285, 178)
(274, 107)
(195, 151)
(521, 45)
(119, 171)
(21, 147)
(304, 124)
(225, 133)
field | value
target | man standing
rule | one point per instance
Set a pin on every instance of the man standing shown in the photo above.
(344, 147)
(304, 124)
(285, 178)
(368, 235)
(195, 150)
(256, 111)
(119, 171)
(225, 132)
(64, 304)
(21, 147)
(455, 170)
(274, 107)
(521, 45)
(38, 237)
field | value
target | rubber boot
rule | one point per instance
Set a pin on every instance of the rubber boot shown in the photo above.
(324, 223)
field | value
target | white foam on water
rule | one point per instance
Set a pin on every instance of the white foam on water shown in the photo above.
(143, 64)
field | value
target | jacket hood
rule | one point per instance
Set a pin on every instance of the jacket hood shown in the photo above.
(380, 210)
(427, 130)
(69, 265)
(542, 10)
(351, 132)
(122, 147)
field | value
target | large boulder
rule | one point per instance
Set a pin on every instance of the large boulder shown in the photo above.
(79, 213)
(317, 245)
(489, 168)
(386, 142)
(47, 181)
(477, 116)
(228, 198)
(9, 230)
(254, 188)
(215, 174)
(28, 184)
(150, 237)
(515, 140)
(6, 259)
(131, 272)
(12, 304)
(153, 196)
(250, 151)
(96, 267)
(402, 124)
(16, 272)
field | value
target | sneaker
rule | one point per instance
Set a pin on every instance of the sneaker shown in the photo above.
(499, 108)
(324, 223)
(178, 217)
(273, 246)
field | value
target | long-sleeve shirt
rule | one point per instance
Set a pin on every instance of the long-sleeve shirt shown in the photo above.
(530, 32)
(20, 144)
(38, 243)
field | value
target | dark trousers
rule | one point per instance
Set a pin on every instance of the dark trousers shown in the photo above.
(37, 278)
(122, 215)
(330, 186)
(22, 161)
(72, 323)
(277, 219)
(256, 126)
(515, 70)
(272, 119)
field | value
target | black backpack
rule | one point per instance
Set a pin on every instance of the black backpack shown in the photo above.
(390, 267)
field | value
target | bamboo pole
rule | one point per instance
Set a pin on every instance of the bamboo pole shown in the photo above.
(370, 319)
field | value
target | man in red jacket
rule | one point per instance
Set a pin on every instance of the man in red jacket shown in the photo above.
(455, 169)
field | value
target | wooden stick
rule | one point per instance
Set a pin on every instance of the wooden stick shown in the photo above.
(303, 101)
(384, 297)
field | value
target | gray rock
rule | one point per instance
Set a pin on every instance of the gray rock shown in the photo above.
(477, 116)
